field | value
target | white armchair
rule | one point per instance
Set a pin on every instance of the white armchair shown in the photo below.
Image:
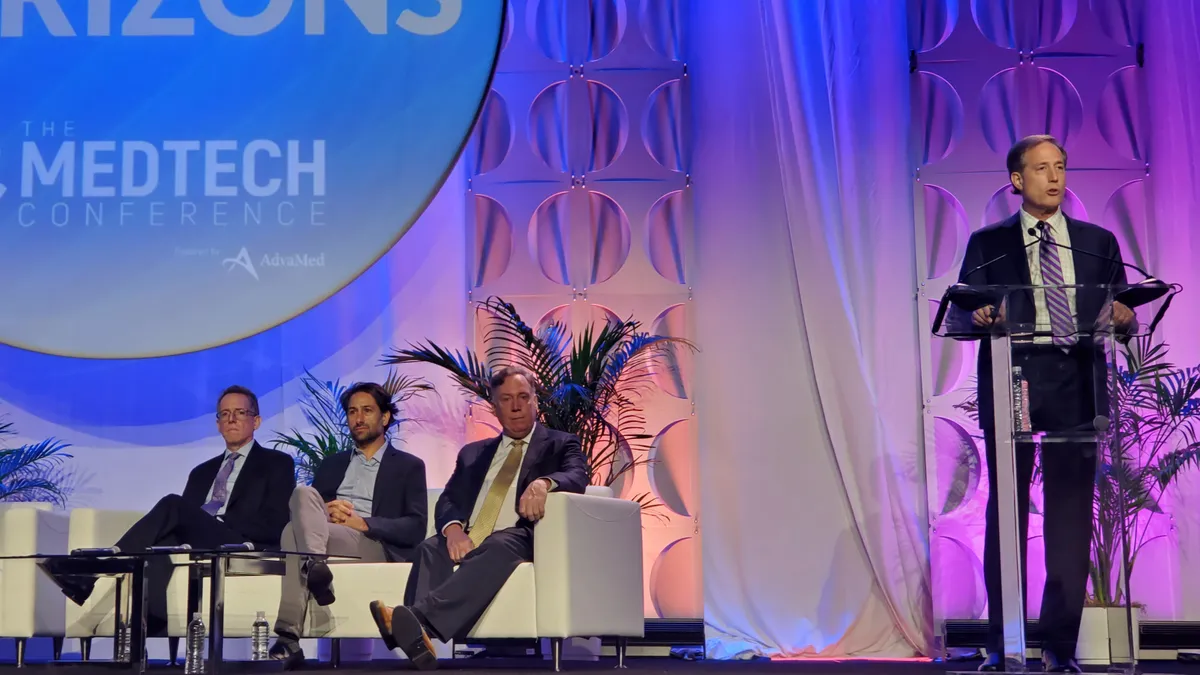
(586, 582)
(30, 604)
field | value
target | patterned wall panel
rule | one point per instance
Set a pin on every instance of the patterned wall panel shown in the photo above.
(986, 73)
(580, 207)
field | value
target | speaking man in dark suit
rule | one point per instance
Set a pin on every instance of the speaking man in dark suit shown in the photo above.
(239, 496)
(485, 521)
(369, 502)
(1061, 370)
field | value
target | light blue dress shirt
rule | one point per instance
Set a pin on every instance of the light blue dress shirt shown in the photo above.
(243, 452)
(358, 485)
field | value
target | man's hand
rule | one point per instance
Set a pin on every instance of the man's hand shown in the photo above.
(458, 544)
(983, 317)
(337, 510)
(1123, 317)
(533, 503)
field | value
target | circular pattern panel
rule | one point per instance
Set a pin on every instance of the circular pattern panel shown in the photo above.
(1027, 100)
(948, 357)
(945, 226)
(670, 470)
(662, 128)
(548, 24)
(1123, 21)
(930, 22)
(610, 126)
(662, 26)
(493, 136)
(548, 126)
(672, 368)
(1126, 217)
(493, 240)
(664, 237)
(958, 462)
(675, 581)
(1119, 113)
(958, 579)
(1024, 25)
(941, 117)
(549, 238)
(610, 237)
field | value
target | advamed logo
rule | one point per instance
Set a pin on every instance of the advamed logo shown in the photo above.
(273, 260)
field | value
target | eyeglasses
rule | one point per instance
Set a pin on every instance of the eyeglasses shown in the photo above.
(239, 413)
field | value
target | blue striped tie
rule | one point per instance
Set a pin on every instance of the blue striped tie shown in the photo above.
(1062, 325)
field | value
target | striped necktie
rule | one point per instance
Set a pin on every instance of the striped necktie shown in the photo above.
(1062, 322)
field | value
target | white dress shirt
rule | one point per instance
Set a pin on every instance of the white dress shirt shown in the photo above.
(237, 469)
(1058, 228)
(508, 509)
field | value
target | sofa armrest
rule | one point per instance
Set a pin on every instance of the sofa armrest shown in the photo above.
(32, 604)
(587, 560)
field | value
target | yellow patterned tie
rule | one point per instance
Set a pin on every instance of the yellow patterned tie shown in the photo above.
(494, 501)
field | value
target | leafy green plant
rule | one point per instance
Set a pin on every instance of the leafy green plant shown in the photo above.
(1153, 440)
(589, 384)
(34, 472)
(322, 409)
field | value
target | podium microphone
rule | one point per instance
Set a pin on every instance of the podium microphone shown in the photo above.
(1145, 291)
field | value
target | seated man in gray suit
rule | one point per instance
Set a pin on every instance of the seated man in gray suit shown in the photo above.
(369, 503)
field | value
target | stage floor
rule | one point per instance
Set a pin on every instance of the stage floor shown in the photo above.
(636, 666)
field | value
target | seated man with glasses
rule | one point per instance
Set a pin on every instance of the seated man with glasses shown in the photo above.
(237, 497)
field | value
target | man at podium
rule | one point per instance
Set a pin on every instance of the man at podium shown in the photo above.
(1037, 246)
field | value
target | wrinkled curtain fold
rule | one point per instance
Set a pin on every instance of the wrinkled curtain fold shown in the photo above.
(803, 165)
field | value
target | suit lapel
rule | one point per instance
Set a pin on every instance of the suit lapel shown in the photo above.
(481, 464)
(1014, 245)
(533, 455)
(382, 477)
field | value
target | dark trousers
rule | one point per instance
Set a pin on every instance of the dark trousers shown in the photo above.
(171, 522)
(451, 601)
(1061, 397)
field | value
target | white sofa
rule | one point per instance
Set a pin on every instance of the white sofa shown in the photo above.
(586, 582)
(30, 604)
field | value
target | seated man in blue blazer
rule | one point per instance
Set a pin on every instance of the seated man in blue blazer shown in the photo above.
(369, 503)
(485, 522)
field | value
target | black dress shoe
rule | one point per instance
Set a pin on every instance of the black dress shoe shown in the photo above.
(289, 652)
(77, 588)
(320, 582)
(1052, 664)
(994, 663)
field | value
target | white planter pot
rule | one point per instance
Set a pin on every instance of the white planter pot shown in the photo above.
(1103, 636)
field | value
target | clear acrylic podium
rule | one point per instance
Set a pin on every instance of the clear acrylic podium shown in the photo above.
(1011, 337)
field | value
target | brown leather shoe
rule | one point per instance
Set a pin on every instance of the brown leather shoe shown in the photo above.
(405, 630)
(383, 621)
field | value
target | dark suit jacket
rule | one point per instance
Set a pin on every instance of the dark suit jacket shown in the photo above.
(1006, 237)
(551, 454)
(258, 507)
(399, 506)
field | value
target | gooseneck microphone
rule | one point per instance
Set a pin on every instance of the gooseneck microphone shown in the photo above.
(1145, 291)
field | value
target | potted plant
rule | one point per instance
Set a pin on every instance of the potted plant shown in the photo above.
(322, 409)
(589, 384)
(34, 472)
(1153, 440)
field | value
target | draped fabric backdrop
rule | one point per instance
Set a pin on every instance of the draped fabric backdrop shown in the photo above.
(815, 534)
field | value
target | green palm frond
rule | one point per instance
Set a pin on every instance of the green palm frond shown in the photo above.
(588, 384)
(34, 472)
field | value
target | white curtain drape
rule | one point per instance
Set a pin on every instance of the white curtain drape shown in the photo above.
(813, 497)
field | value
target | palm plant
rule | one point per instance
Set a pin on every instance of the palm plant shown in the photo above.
(1154, 439)
(34, 472)
(322, 409)
(589, 384)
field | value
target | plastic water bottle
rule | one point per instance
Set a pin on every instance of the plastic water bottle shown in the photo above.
(194, 665)
(122, 643)
(260, 633)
